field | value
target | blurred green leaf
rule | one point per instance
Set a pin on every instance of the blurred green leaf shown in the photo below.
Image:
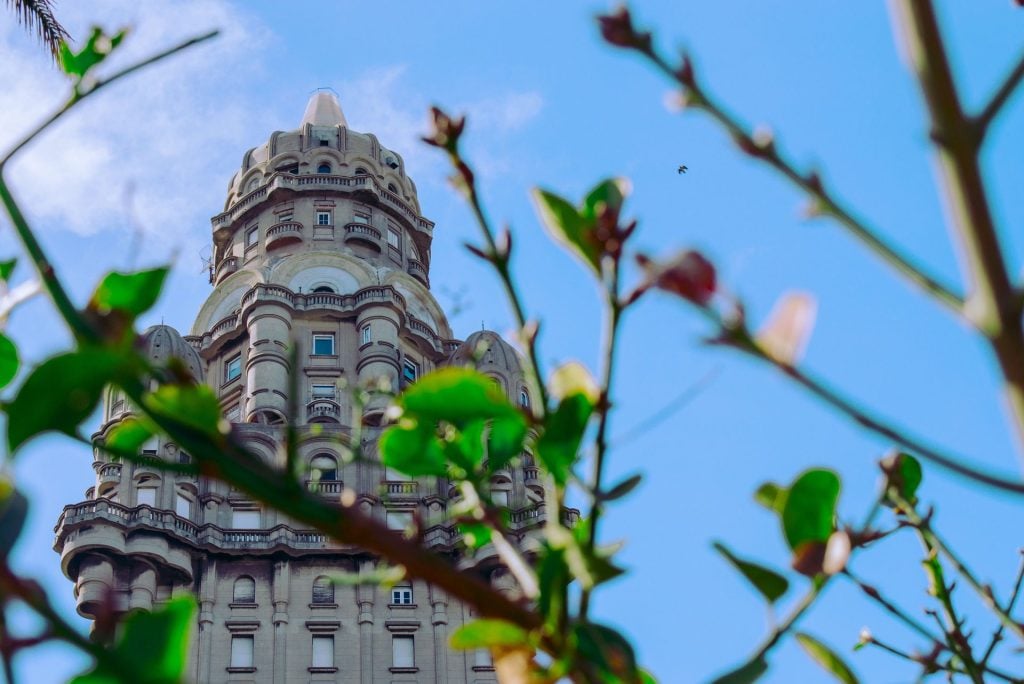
(456, 395)
(129, 293)
(810, 508)
(6, 269)
(605, 648)
(487, 634)
(771, 496)
(559, 442)
(62, 392)
(827, 658)
(566, 226)
(904, 475)
(573, 378)
(505, 441)
(412, 450)
(553, 578)
(195, 406)
(97, 48)
(475, 534)
(745, 674)
(152, 646)
(623, 488)
(609, 194)
(13, 511)
(771, 584)
(128, 436)
(9, 362)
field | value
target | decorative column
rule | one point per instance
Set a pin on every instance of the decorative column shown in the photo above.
(378, 358)
(280, 591)
(142, 588)
(364, 596)
(267, 367)
(439, 619)
(207, 597)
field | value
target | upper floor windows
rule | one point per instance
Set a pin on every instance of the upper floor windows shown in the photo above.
(146, 496)
(242, 653)
(401, 596)
(410, 370)
(324, 167)
(360, 171)
(323, 218)
(394, 238)
(365, 335)
(393, 188)
(361, 218)
(323, 591)
(323, 344)
(524, 399)
(245, 519)
(233, 368)
(252, 236)
(327, 466)
(323, 391)
(253, 184)
(244, 590)
(324, 289)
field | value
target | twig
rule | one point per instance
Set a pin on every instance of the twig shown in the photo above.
(991, 303)
(998, 635)
(892, 608)
(678, 402)
(984, 119)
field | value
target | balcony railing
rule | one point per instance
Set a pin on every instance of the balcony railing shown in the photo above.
(363, 233)
(325, 487)
(322, 408)
(226, 267)
(402, 488)
(110, 472)
(531, 473)
(284, 233)
(418, 271)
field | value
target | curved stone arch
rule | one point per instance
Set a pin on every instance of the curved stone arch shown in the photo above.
(141, 476)
(245, 186)
(285, 270)
(340, 280)
(266, 416)
(224, 300)
(413, 291)
(264, 445)
(367, 162)
(332, 156)
(289, 157)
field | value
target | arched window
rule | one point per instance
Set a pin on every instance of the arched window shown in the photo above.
(267, 417)
(360, 171)
(323, 168)
(245, 590)
(326, 465)
(323, 591)
(524, 399)
(323, 288)
(253, 184)
(393, 188)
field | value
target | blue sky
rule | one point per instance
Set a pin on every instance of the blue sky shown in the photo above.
(144, 166)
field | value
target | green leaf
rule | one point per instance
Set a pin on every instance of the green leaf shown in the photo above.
(609, 193)
(97, 48)
(412, 450)
(129, 293)
(475, 534)
(771, 496)
(559, 444)
(456, 395)
(827, 658)
(62, 392)
(552, 577)
(745, 674)
(13, 511)
(567, 227)
(194, 406)
(153, 646)
(605, 648)
(905, 475)
(9, 362)
(810, 508)
(771, 584)
(128, 436)
(505, 441)
(623, 488)
(487, 634)
(6, 269)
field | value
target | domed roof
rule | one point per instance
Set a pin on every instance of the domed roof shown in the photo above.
(161, 343)
(486, 350)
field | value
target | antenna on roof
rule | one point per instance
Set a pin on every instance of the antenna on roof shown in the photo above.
(322, 89)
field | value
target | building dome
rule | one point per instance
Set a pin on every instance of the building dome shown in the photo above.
(161, 343)
(486, 351)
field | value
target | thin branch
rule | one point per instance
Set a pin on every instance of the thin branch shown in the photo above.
(984, 119)
(823, 202)
(677, 403)
(998, 635)
(992, 304)
(873, 593)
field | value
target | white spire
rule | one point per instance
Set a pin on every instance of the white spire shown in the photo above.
(324, 109)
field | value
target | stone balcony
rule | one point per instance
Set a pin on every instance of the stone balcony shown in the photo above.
(401, 489)
(323, 409)
(328, 488)
(284, 233)
(226, 267)
(418, 271)
(364, 234)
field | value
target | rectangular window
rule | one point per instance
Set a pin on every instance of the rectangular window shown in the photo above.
(401, 596)
(146, 496)
(410, 370)
(365, 335)
(183, 506)
(242, 651)
(323, 344)
(252, 236)
(403, 651)
(323, 391)
(323, 651)
(323, 218)
(399, 520)
(394, 238)
(233, 368)
(500, 497)
(482, 658)
(245, 519)
(361, 218)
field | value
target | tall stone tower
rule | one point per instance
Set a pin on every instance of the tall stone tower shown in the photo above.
(321, 243)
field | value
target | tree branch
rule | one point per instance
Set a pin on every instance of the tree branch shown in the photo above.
(984, 119)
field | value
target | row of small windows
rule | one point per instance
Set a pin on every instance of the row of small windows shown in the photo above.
(244, 592)
(322, 168)
(403, 654)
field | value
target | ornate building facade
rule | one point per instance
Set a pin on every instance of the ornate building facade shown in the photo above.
(321, 243)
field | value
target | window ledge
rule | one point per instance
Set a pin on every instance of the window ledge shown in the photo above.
(323, 605)
(323, 356)
(403, 670)
(241, 669)
(325, 670)
(243, 605)
(482, 668)
(402, 605)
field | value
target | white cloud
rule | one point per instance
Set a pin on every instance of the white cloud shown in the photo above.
(149, 136)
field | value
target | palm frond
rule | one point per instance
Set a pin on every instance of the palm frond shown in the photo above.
(37, 16)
